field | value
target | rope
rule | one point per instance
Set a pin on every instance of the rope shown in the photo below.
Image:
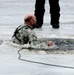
(42, 62)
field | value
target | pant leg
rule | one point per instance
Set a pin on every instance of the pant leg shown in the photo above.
(54, 11)
(39, 11)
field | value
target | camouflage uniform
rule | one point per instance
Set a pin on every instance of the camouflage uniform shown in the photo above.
(24, 34)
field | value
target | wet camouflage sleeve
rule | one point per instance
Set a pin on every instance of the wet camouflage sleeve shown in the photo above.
(32, 36)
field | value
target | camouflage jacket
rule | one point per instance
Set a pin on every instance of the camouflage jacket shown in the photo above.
(24, 34)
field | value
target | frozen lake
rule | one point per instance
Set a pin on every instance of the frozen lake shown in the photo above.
(12, 13)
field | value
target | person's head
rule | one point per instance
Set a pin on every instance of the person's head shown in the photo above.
(30, 19)
(50, 43)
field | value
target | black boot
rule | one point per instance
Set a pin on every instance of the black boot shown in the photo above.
(38, 25)
(55, 26)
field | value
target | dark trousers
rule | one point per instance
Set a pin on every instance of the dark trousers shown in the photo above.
(54, 11)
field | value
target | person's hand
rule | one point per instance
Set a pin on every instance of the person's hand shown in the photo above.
(50, 43)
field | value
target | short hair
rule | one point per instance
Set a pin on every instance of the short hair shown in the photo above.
(28, 19)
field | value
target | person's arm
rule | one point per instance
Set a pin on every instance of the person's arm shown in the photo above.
(32, 38)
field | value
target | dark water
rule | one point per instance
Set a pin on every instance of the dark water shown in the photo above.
(62, 44)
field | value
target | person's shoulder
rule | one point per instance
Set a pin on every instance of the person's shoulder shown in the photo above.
(22, 26)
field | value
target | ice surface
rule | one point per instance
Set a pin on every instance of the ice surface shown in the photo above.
(11, 15)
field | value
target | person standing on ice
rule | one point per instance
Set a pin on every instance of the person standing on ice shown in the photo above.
(54, 12)
(24, 34)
